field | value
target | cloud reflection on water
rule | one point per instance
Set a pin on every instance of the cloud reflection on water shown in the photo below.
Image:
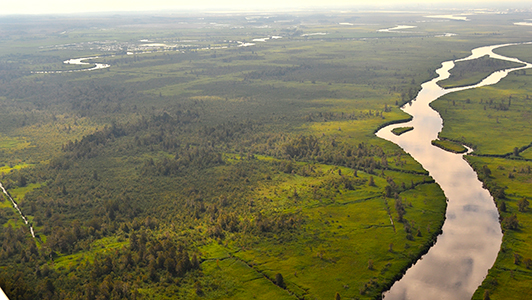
(456, 265)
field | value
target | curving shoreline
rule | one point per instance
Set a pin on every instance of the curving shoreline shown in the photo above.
(471, 235)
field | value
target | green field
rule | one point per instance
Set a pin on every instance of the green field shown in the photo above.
(473, 71)
(401, 130)
(449, 146)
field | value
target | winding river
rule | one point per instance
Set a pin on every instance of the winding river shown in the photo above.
(468, 246)
(80, 62)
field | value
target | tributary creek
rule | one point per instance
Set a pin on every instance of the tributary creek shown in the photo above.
(471, 235)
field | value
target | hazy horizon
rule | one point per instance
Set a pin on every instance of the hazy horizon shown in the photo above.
(32, 7)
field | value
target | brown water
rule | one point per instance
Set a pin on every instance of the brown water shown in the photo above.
(462, 255)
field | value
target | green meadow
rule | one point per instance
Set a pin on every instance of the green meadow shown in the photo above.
(449, 146)
(401, 130)
(472, 72)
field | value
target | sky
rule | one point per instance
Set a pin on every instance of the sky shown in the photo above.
(75, 6)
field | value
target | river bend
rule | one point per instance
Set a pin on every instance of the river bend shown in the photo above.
(80, 62)
(471, 235)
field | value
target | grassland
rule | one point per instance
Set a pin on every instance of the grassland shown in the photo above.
(501, 115)
(401, 130)
(255, 161)
(473, 71)
(449, 146)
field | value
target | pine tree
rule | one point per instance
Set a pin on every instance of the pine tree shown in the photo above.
(371, 181)
(523, 205)
(133, 242)
(22, 181)
(279, 280)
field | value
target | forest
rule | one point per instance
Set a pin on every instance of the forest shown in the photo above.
(240, 161)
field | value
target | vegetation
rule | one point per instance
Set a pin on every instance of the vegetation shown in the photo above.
(401, 130)
(449, 146)
(211, 168)
(471, 72)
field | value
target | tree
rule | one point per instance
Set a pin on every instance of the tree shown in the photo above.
(152, 270)
(195, 262)
(510, 222)
(517, 259)
(388, 191)
(22, 181)
(50, 286)
(199, 289)
(486, 295)
(400, 208)
(279, 280)
(502, 206)
(288, 168)
(498, 192)
(371, 181)
(486, 171)
(523, 205)
(133, 242)
(528, 263)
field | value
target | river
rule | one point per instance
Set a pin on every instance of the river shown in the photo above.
(471, 235)
(77, 61)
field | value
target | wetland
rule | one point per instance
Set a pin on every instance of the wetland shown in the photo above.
(202, 161)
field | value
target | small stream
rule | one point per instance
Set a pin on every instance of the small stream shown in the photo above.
(468, 246)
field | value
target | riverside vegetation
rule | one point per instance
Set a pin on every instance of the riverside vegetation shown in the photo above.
(401, 130)
(217, 169)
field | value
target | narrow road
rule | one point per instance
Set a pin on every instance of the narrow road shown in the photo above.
(15, 205)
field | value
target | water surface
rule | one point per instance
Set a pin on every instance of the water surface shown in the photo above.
(459, 261)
